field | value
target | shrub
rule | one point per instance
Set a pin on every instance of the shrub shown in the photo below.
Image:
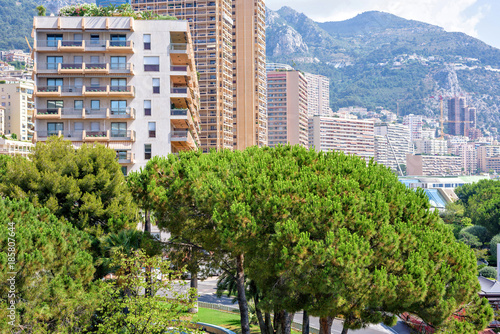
(488, 272)
(479, 231)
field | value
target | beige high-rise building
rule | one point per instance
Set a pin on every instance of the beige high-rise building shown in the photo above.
(249, 51)
(351, 136)
(318, 95)
(287, 108)
(128, 84)
(211, 27)
(488, 156)
(229, 38)
(17, 99)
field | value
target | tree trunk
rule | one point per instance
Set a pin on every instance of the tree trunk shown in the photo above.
(288, 323)
(269, 324)
(258, 311)
(283, 322)
(242, 299)
(305, 323)
(147, 222)
(149, 275)
(325, 325)
(194, 299)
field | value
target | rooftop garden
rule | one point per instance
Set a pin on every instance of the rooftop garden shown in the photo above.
(122, 10)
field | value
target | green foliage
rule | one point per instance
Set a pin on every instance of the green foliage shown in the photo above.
(41, 10)
(482, 203)
(17, 22)
(319, 231)
(493, 245)
(88, 9)
(53, 271)
(13, 136)
(126, 309)
(488, 272)
(84, 186)
(469, 239)
(479, 231)
(18, 65)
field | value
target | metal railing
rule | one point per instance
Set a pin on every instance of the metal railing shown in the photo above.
(178, 68)
(179, 47)
(178, 112)
(96, 113)
(178, 90)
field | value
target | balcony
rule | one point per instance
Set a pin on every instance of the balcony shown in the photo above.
(70, 135)
(54, 113)
(121, 91)
(120, 46)
(47, 91)
(84, 46)
(180, 118)
(179, 53)
(95, 91)
(125, 157)
(96, 135)
(125, 113)
(182, 140)
(122, 135)
(101, 113)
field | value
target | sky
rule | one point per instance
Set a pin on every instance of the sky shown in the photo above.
(477, 18)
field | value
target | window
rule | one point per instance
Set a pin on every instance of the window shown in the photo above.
(94, 59)
(147, 151)
(121, 154)
(52, 39)
(152, 129)
(119, 129)
(94, 39)
(151, 64)
(156, 85)
(77, 37)
(53, 84)
(124, 170)
(147, 41)
(94, 82)
(77, 59)
(53, 106)
(78, 126)
(95, 104)
(78, 105)
(95, 126)
(52, 62)
(147, 107)
(118, 84)
(78, 82)
(54, 128)
(118, 63)
(118, 107)
(118, 40)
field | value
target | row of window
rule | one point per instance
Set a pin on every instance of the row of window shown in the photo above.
(116, 39)
(118, 129)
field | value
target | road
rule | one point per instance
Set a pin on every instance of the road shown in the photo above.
(207, 288)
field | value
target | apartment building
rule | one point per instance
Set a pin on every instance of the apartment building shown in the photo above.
(129, 84)
(352, 136)
(468, 153)
(488, 158)
(432, 146)
(433, 165)
(392, 144)
(414, 122)
(15, 147)
(16, 97)
(211, 25)
(287, 108)
(318, 95)
(249, 73)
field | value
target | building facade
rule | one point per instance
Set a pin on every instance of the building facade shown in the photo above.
(350, 136)
(287, 108)
(15, 147)
(392, 144)
(487, 157)
(461, 117)
(414, 123)
(211, 26)
(129, 84)
(433, 165)
(318, 95)
(17, 99)
(431, 146)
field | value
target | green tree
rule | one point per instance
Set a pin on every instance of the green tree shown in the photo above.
(488, 272)
(41, 10)
(318, 231)
(493, 246)
(53, 271)
(84, 186)
(125, 308)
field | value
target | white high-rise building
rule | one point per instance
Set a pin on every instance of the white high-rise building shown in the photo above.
(392, 144)
(414, 123)
(318, 95)
(129, 84)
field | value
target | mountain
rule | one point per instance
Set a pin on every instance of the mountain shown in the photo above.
(379, 59)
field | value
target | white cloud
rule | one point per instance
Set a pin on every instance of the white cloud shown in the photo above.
(452, 15)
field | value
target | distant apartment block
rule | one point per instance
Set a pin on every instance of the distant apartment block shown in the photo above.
(17, 55)
(211, 24)
(488, 158)
(129, 84)
(431, 146)
(287, 108)
(15, 147)
(351, 136)
(2, 120)
(461, 117)
(468, 153)
(414, 123)
(433, 165)
(392, 144)
(318, 95)
(16, 97)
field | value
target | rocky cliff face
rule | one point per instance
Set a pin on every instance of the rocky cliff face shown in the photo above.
(379, 59)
